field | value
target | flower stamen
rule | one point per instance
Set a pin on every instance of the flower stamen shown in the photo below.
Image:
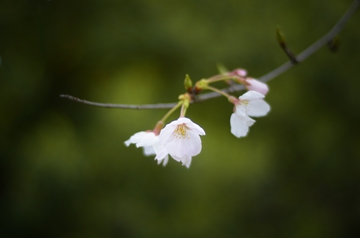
(181, 132)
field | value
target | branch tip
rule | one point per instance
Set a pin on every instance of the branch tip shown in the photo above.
(329, 38)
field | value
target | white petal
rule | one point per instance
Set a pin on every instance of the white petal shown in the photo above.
(166, 133)
(257, 108)
(157, 146)
(251, 95)
(240, 125)
(196, 128)
(135, 138)
(186, 161)
(194, 144)
(182, 120)
(240, 110)
(149, 150)
(175, 148)
(191, 125)
(148, 139)
(127, 143)
(162, 154)
(188, 146)
(174, 123)
(164, 161)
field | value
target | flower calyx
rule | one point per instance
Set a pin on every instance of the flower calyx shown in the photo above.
(202, 84)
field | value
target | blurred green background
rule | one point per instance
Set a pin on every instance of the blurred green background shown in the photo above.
(65, 172)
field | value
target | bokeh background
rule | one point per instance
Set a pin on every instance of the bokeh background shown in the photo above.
(64, 169)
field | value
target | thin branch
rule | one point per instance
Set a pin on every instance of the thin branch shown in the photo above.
(122, 106)
(281, 40)
(234, 88)
(317, 45)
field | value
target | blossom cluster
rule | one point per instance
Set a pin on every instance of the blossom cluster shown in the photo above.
(180, 139)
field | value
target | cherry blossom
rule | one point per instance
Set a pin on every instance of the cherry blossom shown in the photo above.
(180, 139)
(249, 104)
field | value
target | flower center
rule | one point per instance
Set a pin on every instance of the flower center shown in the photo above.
(181, 132)
(245, 102)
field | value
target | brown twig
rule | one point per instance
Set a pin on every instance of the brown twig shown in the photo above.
(122, 106)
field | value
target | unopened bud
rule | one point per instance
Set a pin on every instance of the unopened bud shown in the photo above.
(280, 37)
(256, 85)
(239, 72)
(202, 84)
(334, 44)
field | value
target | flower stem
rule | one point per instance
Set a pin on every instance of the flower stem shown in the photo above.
(171, 111)
(218, 78)
(219, 91)
(183, 110)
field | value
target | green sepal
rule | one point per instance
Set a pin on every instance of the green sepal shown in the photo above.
(222, 69)
(202, 84)
(187, 82)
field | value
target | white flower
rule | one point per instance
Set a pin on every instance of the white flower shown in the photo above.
(150, 143)
(256, 85)
(253, 104)
(181, 140)
(250, 104)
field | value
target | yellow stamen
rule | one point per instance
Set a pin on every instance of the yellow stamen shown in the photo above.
(181, 132)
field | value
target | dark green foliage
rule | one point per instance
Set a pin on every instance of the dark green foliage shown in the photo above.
(65, 172)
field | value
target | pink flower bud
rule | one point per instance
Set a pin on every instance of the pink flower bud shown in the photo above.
(239, 72)
(256, 85)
